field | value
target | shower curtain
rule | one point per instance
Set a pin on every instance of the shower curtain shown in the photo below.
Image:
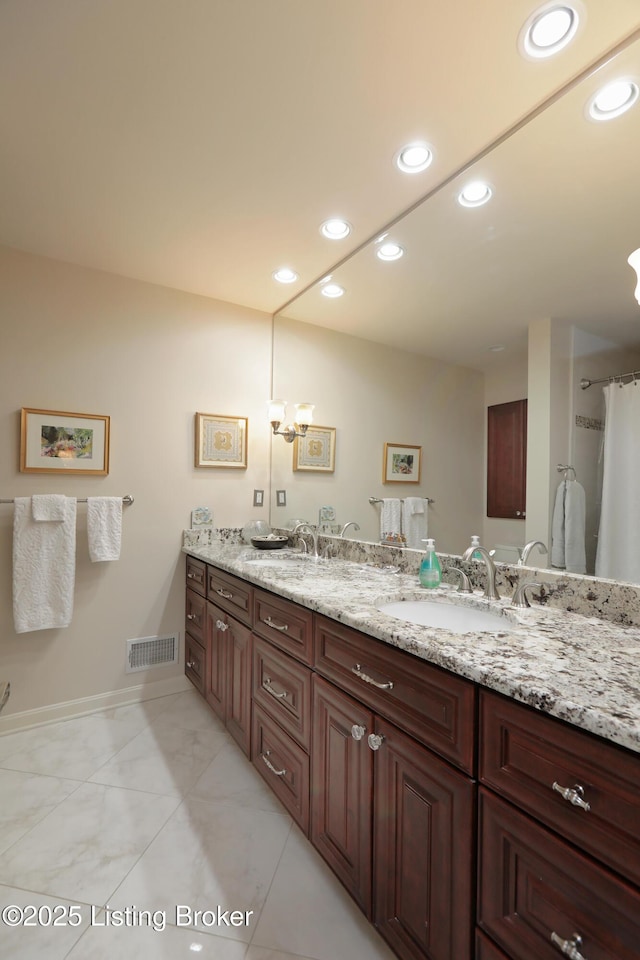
(618, 554)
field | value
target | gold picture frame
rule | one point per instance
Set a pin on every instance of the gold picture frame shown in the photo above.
(402, 463)
(220, 441)
(316, 451)
(56, 441)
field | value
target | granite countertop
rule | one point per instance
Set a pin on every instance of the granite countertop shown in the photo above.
(581, 669)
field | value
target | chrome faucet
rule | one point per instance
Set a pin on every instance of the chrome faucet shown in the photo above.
(490, 591)
(528, 547)
(349, 523)
(304, 527)
(520, 598)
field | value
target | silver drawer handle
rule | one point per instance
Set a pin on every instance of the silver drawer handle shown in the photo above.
(193, 576)
(266, 683)
(375, 741)
(573, 794)
(358, 731)
(357, 669)
(282, 627)
(569, 947)
(221, 625)
(224, 593)
(265, 756)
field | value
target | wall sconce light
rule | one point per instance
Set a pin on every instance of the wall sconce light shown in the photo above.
(304, 418)
(634, 261)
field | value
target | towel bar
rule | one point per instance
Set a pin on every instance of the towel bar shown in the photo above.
(127, 499)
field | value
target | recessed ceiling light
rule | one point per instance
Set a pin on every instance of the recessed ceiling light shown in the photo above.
(612, 100)
(332, 290)
(335, 229)
(389, 251)
(285, 275)
(414, 157)
(475, 194)
(548, 30)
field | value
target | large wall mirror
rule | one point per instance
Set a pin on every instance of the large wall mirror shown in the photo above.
(522, 297)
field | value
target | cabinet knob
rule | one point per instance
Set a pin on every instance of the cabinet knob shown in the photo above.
(221, 625)
(265, 758)
(574, 795)
(192, 616)
(569, 947)
(191, 664)
(375, 741)
(357, 731)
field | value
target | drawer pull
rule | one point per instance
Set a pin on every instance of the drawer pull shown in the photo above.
(192, 616)
(191, 664)
(224, 593)
(265, 756)
(569, 947)
(194, 576)
(357, 669)
(375, 741)
(282, 627)
(574, 795)
(221, 625)
(266, 683)
(357, 731)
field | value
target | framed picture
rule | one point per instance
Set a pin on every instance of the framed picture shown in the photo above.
(402, 463)
(221, 441)
(52, 441)
(316, 451)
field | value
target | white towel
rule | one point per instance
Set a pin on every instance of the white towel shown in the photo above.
(568, 528)
(414, 521)
(44, 564)
(104, 527)
(49, 506)
(390, 518)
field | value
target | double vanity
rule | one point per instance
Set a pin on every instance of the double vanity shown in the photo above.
(470, 770)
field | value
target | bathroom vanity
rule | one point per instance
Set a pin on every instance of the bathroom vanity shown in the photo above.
(474, 795)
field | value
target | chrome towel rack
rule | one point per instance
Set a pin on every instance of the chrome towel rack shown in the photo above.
(127, 500)
(565, 468)
(379, 499)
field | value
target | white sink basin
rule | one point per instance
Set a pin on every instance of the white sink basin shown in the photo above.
(458, 619)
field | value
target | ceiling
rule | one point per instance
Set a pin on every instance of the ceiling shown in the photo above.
(199, 144)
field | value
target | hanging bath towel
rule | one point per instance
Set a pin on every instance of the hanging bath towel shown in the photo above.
(104, 527)
(44, 564)
(390, 518)
(414, 521)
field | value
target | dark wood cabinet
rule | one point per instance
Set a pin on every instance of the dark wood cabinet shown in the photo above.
(227, 683)
(507, 460)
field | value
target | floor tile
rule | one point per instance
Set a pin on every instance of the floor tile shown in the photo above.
(87, 845)
(230, 778)
(149, 943)
(27, 798)
(209, 855)
(44, 941)
(314, 919)
(191, 711)
(162, 759)
(265, 953)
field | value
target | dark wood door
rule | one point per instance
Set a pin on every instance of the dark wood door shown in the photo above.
(423, 850)
(341, 788)
(507, 460)
(216, 647)
(237, 715)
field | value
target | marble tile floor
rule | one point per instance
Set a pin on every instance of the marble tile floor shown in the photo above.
(143, 832)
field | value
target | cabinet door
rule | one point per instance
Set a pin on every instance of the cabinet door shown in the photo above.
(507, 460)
(423, 850)
(341, 779)
(216, 647)
(238, 683)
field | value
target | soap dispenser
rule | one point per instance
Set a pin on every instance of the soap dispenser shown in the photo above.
(475, 542)
(430, 571)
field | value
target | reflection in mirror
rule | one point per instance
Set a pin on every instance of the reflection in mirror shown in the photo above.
(520, 298)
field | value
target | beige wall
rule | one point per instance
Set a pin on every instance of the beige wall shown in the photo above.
(149, 357)
(375, 394)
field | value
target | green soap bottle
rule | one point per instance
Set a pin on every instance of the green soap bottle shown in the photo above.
(430, 571)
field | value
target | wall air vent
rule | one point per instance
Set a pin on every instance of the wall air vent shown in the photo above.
(148, 652)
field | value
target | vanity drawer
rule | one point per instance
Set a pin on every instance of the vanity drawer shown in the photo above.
(282, 687)
(283, 764)
(230, 593)
(285, 624)
(194, 662)
(432, 705)
(195, 615)
(197, 575)
(523, 753)
(537, 891)
(486, 949)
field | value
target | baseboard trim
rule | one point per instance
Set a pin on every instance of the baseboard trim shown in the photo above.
(85, 705)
